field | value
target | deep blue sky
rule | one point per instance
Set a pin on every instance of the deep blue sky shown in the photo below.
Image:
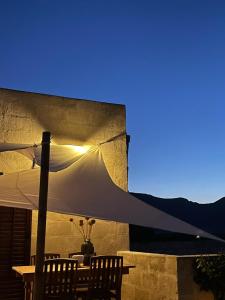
(164, 59)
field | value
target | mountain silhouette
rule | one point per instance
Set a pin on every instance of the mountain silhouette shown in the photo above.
(209, 217)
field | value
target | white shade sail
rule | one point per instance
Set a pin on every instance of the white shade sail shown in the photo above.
(82, 186)
(61, 156)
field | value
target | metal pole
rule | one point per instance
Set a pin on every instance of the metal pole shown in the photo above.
(43, 195)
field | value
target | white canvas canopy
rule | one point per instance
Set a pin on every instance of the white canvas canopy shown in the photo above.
(79, 184)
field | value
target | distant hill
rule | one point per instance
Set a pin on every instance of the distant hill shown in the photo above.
(210, 217)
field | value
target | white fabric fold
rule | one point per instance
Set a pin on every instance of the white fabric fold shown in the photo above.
(61, 156)
(14, 147)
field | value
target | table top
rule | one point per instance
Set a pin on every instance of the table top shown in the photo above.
(22, 270)
(30, 270)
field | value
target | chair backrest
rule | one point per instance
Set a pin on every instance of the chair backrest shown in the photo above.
(106, 273)
(47, 256)
(60, 277)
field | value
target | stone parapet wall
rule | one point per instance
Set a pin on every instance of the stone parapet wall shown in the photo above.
(153, 278)
(160, 277)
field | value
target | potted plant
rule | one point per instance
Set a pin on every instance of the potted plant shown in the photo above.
(209, 273)
(85, 228)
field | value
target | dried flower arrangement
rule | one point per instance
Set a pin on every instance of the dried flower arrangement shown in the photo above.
(85, 227)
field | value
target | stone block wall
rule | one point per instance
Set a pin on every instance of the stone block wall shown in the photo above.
(153, 278)
(160, 277)
(24, 116)
(63, 237)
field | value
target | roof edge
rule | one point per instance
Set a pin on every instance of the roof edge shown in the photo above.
(60, 96)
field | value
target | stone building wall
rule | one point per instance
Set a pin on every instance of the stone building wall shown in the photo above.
(23, 118)
(160, 277)
(153, 278)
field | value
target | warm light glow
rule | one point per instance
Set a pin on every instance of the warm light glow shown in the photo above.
(80, 149)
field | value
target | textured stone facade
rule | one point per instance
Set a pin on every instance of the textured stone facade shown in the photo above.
(24, 116)
(160, 277)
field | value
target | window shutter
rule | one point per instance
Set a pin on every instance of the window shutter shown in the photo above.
(15, 237)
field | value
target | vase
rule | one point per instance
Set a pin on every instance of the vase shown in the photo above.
(87, 249)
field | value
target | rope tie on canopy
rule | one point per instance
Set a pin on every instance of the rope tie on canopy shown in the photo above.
(113, 138)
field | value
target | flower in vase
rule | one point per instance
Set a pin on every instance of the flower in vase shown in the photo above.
(84, 227)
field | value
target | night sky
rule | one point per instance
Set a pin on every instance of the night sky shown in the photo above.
(165, 60)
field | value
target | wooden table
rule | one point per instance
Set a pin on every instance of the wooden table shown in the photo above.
(27, 273)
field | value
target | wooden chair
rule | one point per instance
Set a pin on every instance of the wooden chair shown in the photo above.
(60, 277)
(83, 280)
(47, 256)
(105, 277)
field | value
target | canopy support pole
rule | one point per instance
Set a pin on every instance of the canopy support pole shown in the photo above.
(42, 211)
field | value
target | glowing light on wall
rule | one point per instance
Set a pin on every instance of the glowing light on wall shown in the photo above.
(80, 149)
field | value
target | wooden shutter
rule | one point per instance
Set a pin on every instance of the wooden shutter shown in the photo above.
(15, 237)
